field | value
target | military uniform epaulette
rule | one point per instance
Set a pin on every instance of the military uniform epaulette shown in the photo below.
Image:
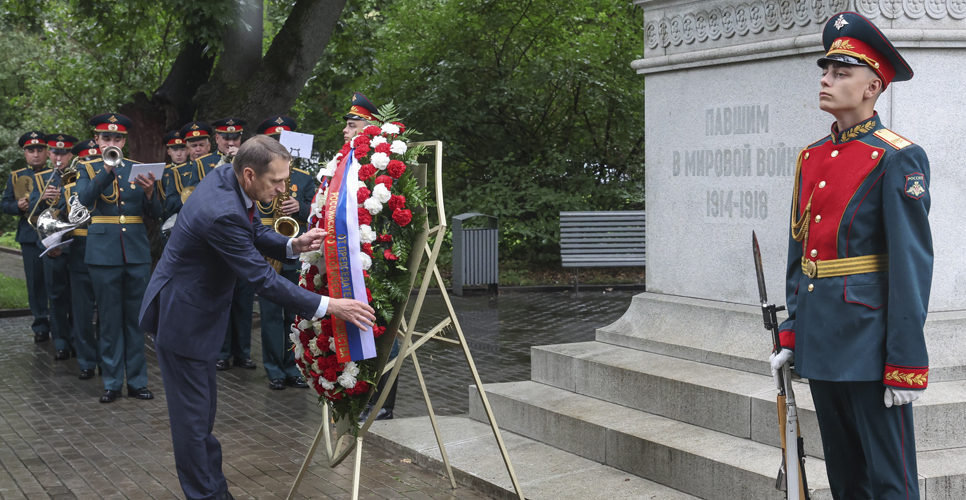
(893, 139)
(300, 170)
(18, 171)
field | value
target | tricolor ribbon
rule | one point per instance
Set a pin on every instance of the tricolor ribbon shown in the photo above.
(343, 265)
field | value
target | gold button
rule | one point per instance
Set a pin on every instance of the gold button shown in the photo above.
(875, 154)
(122, 220)
(122, 189)
(806, 155)
(835, 153)
(123, 229)
(814, 253)
(821, 184)
(818, 218)
(811, 287)
(122, 203)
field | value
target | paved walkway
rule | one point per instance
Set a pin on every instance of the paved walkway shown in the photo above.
(58, 442)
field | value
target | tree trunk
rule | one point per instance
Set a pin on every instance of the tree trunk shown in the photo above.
(274, 82)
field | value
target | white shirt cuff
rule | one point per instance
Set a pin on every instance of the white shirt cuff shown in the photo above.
(323, 307)
(288, 249)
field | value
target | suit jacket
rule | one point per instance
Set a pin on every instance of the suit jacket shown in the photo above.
(212, 244)
(865, 192)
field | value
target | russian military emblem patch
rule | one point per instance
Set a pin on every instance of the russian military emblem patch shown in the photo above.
(915, 185)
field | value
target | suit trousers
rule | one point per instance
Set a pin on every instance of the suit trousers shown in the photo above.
(33, 269)
(191, 391)
(277, 354)
(870, 450)
(118, 291)
(57, 283)
(85, 336)
(238, 338)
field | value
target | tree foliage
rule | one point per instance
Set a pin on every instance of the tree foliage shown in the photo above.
(533, 99)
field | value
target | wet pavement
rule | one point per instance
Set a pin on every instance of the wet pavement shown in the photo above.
(57, 441)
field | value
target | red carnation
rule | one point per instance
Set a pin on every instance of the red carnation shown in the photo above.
(361, 151)
(303, 338)
(364, 216)
(365, 274)
(372, 130)
(396, 168)
(402, 217)
(367, 249)
(366, 171)
(326, 327)
(361, 387)
(383, 148)
(322, 343)
(369, 295)
(383, 238)
(345, 149)
(397, 202)
(378, 331)
(330, 373)
(362, 195)
(402, 128)
(384, 180)
(387, 253)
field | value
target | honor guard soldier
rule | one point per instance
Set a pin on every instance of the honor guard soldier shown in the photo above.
(860, 262)
(277, 354)
(16, 201)
(118, 255)
(56, 274)
(81, 287)
(177, 151)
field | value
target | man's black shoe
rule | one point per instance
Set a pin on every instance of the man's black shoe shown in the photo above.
(62, 354)
(86, 374)
(41, 337)
(365, 414)
(246, 363)
(277, 384)
(110, 396)
(142, 393)
(222, 365)
(225, 496)
(296, 382)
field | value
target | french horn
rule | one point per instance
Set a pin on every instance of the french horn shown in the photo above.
(50, 221)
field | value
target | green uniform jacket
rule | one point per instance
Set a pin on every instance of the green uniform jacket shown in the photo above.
(113, 194)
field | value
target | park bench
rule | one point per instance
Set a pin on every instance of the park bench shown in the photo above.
(602, 239)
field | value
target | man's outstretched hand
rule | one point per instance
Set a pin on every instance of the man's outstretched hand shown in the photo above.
(308, 242)
(353, 311)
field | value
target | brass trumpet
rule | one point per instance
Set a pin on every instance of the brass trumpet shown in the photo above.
(113, 156)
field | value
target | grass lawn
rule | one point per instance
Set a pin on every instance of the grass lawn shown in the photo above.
(13, 293)
(7, 240)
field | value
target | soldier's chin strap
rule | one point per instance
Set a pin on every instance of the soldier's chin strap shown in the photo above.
(800, 224)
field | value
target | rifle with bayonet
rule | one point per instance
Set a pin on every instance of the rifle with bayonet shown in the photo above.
(794, 485)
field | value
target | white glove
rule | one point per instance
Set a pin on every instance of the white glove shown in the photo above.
(900, 397)
(777, 360)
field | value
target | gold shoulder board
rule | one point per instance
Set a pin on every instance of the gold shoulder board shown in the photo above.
(300, 170)
(895, 140)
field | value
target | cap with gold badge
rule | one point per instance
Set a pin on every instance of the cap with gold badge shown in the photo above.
(173, 139)
(852, 39)
(84, 149)
(229, 128)
(196, 130)
(111, 123)
(362, 109)
(32, 138)
(60, 143)
(275, 125)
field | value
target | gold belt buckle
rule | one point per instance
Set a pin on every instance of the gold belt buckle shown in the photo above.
(811, 269)
(121, 220)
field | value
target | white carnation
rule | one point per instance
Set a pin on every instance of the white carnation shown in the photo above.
(398, 147)
(373, 205)
(377, 140)
(390, 128)
(366, 261)
(317, 281)
(380, 160)
(311, 382)
(326, 384)
(351, 368)
(366, 234)
(381, 193)
(347, 381)
(332, 344)
(329, 170)
(314, 348)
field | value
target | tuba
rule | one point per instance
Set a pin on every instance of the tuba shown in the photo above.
(283, 224)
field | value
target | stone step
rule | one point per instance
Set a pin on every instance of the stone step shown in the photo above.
(544, 472)
(734, 402)
(702, 462)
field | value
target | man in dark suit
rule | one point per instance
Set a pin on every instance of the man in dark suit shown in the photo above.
(215, 241)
